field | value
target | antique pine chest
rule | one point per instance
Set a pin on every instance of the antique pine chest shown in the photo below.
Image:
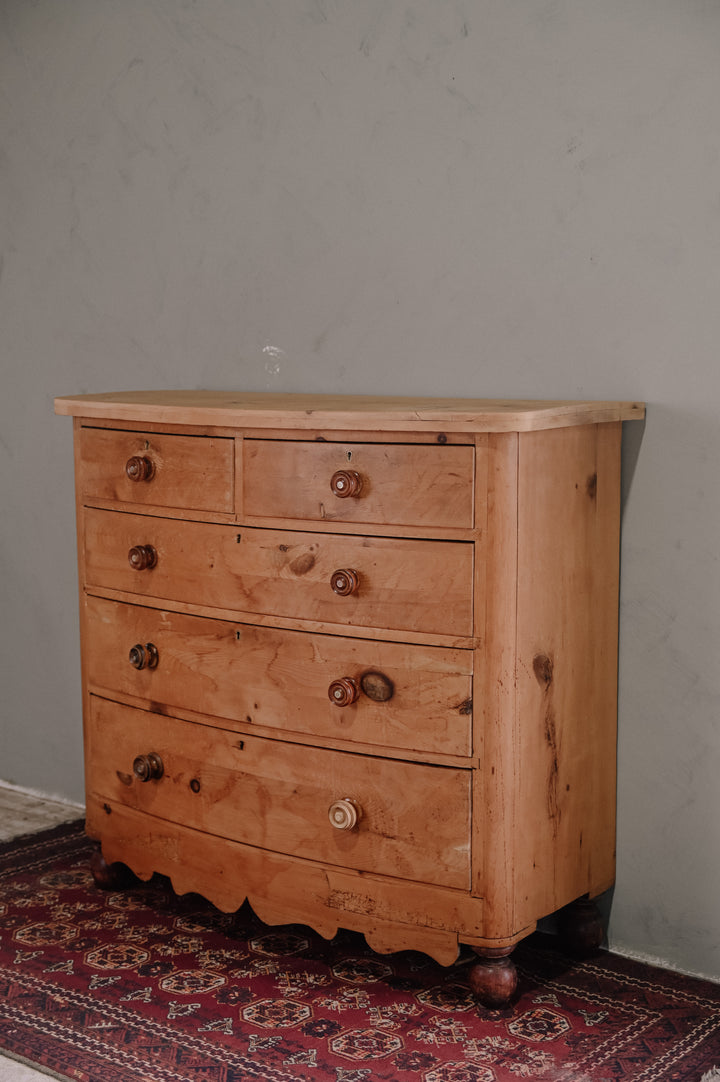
(354, 659)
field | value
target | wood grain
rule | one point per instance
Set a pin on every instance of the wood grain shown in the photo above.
(414, 818)
(276, 679)
(484, 536)
(393, 914)
(189, 472)
(568, 556)
(496, 831)
(338, 412)
(404, 584)
(401, 485)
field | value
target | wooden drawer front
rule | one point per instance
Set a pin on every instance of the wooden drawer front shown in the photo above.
(282, 679)
(414, 820)
(402, 584)
(399, 484)
(193, 472)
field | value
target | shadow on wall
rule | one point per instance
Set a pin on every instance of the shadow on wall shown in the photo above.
(632, 437)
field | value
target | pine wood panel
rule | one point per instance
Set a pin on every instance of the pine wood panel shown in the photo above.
(381, 634)
(413, 822)
(404, 584)
(568, 554)
(496, 830)
(348, 412)
(278, 679)
(191, 472)
(401, 485)
(487, 525)
(393, 914)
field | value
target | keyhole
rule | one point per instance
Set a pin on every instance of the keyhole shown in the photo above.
(349, 456)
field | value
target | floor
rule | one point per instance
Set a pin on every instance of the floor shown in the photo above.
(23, 812)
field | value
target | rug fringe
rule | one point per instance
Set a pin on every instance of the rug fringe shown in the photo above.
(711, 1076)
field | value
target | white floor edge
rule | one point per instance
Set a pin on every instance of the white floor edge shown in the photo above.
(38, 795)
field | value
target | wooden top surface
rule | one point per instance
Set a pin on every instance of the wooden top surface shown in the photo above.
(359, 412)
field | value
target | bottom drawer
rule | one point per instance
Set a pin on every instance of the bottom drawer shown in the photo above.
(413, 820)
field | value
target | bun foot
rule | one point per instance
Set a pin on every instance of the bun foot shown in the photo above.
(110, 876)
(581, 928)
(493, 978)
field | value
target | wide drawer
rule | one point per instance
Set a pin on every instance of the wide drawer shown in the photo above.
(413, 821)
(416, 698)
(398, 584)
(388, 484)
(192, 472)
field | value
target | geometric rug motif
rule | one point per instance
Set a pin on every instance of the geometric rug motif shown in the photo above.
(144, 985)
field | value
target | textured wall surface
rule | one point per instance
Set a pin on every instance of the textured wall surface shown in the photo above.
(473, 198)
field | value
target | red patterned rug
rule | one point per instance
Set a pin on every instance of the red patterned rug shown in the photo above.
(143, 985)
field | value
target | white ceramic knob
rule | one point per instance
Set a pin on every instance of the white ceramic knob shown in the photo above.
(344, 814)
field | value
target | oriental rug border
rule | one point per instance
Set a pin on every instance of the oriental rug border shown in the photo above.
(145, 986)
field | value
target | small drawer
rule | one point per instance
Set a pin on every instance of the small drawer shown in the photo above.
(191, 472)
(408, 697)
(385, 484)
(375, 815)
(392, 583)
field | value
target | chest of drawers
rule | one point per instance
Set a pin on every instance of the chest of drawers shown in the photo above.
(354, 659)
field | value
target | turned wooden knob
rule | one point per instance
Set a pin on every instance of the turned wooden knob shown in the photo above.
(343, 692)
(139, 468)
(493, 978)
(142, 557)
(148, 767)
(344, 814)
(344, 581)
(144, 657)
(344, 483)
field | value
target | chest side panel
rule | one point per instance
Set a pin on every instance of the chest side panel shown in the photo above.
(568, 578)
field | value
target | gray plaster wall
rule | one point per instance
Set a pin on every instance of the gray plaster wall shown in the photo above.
(473, 197)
